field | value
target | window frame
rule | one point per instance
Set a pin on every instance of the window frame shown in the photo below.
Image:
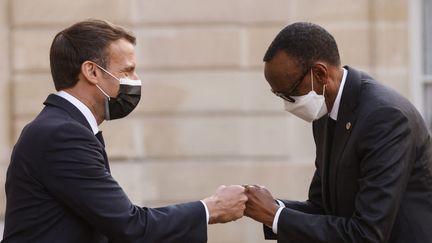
(416, 56)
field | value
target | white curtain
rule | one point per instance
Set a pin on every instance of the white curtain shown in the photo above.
(427, 30)
(428, 105)
(427, 60)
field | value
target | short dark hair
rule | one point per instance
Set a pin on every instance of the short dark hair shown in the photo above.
(307, 43)
(86, 40)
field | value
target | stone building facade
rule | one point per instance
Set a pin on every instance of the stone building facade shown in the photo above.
(207, 116)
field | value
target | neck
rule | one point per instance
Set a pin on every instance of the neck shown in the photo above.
(332, 88)
(89, 102)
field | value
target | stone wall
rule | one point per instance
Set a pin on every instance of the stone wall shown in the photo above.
(207, 116)
(5, 118)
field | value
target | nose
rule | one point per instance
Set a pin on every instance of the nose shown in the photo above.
(135, 76)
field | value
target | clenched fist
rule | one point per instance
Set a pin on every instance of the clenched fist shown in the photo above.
(261, 205)
(227, 204)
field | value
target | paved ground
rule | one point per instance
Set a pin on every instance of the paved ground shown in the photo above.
(1, 229)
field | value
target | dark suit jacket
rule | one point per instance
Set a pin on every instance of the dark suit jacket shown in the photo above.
(59, 189)
(376, 185)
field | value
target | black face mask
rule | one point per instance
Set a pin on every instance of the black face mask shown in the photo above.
(127, 98)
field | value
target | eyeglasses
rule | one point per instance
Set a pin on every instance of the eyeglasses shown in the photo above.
(287, 95)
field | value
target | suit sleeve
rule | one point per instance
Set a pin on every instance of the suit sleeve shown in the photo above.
(312, 206)
(386, 149)
(74, 173)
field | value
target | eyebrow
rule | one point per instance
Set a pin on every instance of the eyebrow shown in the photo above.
(128, 68)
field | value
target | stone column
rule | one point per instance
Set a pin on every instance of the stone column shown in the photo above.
(4, 99)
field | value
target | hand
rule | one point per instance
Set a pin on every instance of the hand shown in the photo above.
(227, 204)
(261, 206)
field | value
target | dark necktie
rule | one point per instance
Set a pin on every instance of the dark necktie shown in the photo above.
(100, 138)
(331, 124)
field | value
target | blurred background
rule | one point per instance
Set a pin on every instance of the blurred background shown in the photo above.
(207, 116)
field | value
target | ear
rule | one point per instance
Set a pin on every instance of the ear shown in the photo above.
(90, 71)
(321, 73)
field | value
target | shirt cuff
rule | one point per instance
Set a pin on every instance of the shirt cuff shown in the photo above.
(207, 212)
(276, 218)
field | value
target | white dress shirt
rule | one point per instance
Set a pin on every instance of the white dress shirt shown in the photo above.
(333, 114)
(81, 107)
(335, 110)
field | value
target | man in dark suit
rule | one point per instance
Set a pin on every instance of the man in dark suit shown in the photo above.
(59, 187)
(373, 177)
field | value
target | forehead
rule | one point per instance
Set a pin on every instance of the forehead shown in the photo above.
(281, 68)
(121, 53)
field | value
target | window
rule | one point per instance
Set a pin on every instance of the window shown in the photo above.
(427, 62)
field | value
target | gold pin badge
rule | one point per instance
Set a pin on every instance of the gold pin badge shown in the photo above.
(348, 126)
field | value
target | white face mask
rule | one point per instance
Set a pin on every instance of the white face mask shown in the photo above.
(308, 107)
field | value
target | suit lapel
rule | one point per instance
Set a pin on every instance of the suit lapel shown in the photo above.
(76, 114)
(345, 122)
(341, 138)
(320, 132)
(57, 101)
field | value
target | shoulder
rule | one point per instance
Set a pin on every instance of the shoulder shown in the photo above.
(51, 135)
(378, 106)
(377, 100)
(52, 126)
(364, 93)
(382, 111)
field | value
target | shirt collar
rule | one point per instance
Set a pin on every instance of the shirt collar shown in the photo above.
(83, 108)
(335, 109)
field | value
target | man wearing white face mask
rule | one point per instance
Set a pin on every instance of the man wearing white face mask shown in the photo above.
(308, 107)
(59, 186)
(373, 177)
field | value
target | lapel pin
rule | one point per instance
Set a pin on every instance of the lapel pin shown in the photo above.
(348, 126)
